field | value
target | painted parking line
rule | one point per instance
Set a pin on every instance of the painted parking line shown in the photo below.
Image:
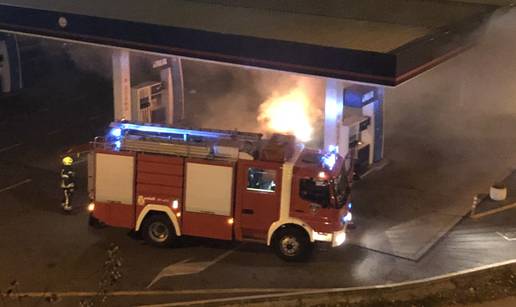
(419, 283)
(77, 98)
(54, 132)
(15, 185)
(277, 292)
(507, 236)
(10, 147)
(186, 267)
(97, 116)
(161, 292)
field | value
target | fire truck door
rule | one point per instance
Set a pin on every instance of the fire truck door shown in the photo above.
(258, 199)
(114, 189)
(209, 200)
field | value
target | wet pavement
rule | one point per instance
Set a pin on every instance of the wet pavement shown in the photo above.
(402, 210)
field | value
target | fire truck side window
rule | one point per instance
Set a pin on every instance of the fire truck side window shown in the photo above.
(261, 180)
(315, 191)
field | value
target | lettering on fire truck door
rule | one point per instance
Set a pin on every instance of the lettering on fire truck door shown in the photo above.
(258, 198)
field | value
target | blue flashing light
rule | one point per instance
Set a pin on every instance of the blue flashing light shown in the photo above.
(333, 149)
(329, 160)
(350, 205)
(169, 130)
(118, 145)
(116, 132)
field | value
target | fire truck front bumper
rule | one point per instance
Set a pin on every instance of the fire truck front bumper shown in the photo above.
(336, 238)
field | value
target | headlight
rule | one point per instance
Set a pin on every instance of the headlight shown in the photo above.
(91, 207)
(322, 236)
(347, 218)
(175, 204)
(339, 239)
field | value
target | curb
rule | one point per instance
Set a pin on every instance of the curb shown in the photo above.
(469, 280)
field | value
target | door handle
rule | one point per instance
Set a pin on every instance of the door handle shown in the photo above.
(247, 211)
(314, 207)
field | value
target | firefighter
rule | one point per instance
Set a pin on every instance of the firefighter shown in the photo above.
(67, 182)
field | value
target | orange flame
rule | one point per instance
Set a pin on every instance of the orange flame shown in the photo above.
(289, 114)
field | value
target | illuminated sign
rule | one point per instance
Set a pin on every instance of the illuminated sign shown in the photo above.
(368, 96)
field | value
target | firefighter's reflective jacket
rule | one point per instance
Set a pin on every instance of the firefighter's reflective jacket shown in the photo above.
(67, 178)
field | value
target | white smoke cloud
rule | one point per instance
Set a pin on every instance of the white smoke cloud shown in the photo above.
(465, 106)
(224, 97)
(92, 59)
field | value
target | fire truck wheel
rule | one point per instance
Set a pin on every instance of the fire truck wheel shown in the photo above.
(292, 244)
(157, 230)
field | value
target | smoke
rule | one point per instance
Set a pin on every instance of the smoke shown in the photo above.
(457, 106)
(465, 106)
(91, 59)
(465, 101)
(83, 59)
(219, 97)
(98, 61)
(226, 97)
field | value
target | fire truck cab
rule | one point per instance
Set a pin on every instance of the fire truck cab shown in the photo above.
(167, 182)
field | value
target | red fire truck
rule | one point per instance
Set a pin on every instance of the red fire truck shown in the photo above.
(166, 182)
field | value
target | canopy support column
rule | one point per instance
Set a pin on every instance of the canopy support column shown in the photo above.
(122, 84)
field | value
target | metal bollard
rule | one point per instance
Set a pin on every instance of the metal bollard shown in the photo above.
(476, 201)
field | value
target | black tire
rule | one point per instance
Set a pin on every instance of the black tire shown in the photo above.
(157, 230)
(292, 244)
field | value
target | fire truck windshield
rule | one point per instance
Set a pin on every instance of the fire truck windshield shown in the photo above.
(315, 191)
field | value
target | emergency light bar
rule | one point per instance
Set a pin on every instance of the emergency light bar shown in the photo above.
(118, 128)
(329, 159)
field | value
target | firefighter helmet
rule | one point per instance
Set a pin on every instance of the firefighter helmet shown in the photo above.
(67, 161)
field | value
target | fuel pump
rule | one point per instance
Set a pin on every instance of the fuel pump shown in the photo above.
(361, 126)
(148, 103)
(160, 101)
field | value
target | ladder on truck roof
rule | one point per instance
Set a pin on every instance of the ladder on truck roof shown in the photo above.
(195, 143)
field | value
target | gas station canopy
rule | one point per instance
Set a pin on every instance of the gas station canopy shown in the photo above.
(377, 41)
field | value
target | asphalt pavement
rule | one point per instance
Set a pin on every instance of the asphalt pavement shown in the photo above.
(46, 251)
